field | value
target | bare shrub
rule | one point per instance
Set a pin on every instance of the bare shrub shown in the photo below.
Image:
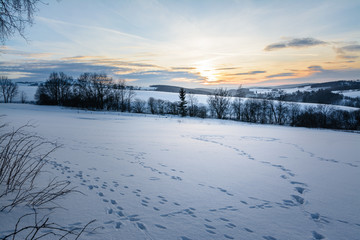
(42, 228)
(22, 158)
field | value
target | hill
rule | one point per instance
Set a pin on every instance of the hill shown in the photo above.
(175, 89)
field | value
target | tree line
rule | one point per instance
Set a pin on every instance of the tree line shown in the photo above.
(97, 91)
(322, 96)
(264, 111)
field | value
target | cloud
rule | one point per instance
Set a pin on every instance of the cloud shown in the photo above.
(281, 75)
(142, 74)
(347, 56)
(183, 68)
(295, 43)
(315, 68)
(39, 70)
(250, 73)
(7, 50)
(315, 74)
(226, 68)
(347, 52)
(351, 48)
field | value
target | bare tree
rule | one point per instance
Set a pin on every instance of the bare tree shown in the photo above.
(279, 110)
(92, 90)
(251, 111)
(139, 106)
(122, 96)
(8, 88)
(160, 106)
(15, 15)
(324, 112)
(152, 105)
(56, 90)
(294, 112)
(193, 107)
(100, 83)
(237, 106)
(264, 111)
(219, 103)
(84, 92)
(282, 112)
(23, 97)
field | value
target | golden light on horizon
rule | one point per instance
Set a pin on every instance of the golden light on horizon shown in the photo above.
(207, 70)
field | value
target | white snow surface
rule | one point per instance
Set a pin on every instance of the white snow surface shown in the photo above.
(350, 93)
(152, 177)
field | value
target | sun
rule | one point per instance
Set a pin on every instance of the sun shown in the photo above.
(207, 71)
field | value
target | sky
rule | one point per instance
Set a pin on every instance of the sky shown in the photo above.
(190, 43)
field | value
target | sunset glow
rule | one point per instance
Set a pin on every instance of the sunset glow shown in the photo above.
(191, 43)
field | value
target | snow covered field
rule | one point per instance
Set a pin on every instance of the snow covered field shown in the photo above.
(152, 177)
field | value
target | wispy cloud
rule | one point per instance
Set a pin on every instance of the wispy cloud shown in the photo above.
(226, 68)
(351, 48)
(348, 51)
(183, 68)
(250, 73)
(139, 73)
(295, 43)
(287, 74)
(10, 51)
(90, 27)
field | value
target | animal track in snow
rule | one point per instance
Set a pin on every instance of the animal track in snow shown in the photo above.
(210, 231)
(209, 226)
(160, 226)
(188, 212)
(298, 199)
(248, 230)
(141, 226)
(228, 237)
(300, 190)
(118, 225)
(230, 225)
(185, 238)
(317, 235)
(269, 238)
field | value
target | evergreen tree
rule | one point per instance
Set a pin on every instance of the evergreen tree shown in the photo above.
(182, 103)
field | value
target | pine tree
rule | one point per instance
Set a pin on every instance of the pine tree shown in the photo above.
(182, 104)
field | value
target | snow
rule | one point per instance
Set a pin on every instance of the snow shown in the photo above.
(285, 90)
(29, 92)
(349, 93)
(160, 177)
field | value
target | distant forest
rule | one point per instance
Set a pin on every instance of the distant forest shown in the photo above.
(95, 91)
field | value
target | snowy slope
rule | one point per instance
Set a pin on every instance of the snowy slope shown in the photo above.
(150, 177)
(350, 93)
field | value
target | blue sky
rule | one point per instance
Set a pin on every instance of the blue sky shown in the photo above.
(203, 43)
